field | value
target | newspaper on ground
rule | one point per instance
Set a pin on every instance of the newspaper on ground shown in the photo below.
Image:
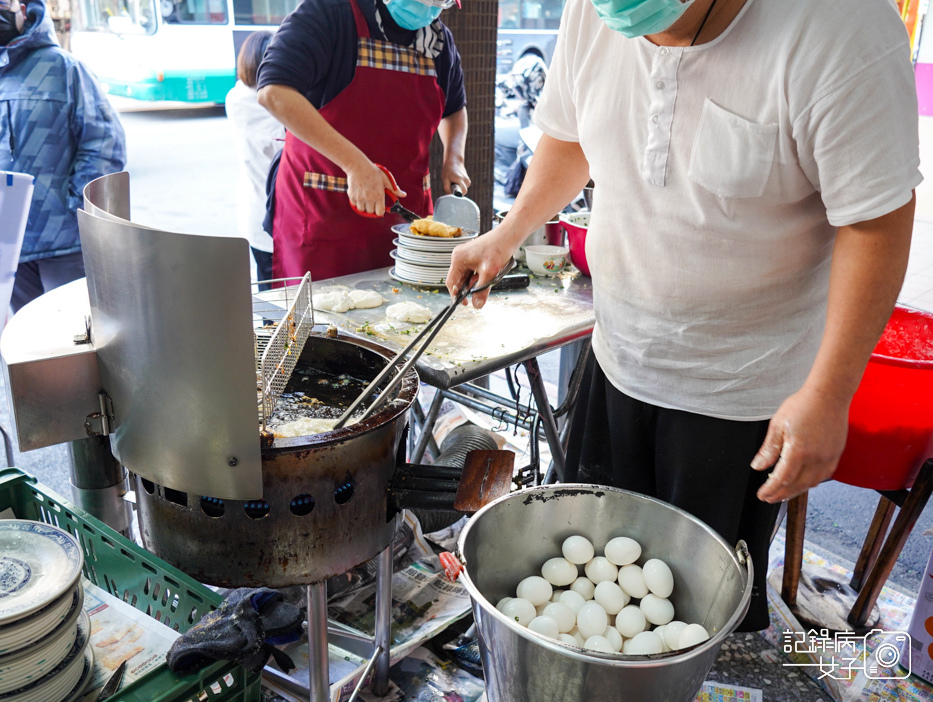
(408, 546)
(345, 668)
(720, 692)
(872, 666)
(423, 677)
(120, 632)
(424, 603)
(716, 692)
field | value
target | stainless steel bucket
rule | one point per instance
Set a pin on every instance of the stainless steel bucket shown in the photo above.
(510, 538)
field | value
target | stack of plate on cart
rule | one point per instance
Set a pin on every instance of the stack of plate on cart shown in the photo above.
(423, 260)
(45, 654)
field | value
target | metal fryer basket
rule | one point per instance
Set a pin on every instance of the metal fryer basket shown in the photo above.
(285, 317)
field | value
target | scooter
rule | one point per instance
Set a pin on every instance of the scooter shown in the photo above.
(516, 135)
(516, 97)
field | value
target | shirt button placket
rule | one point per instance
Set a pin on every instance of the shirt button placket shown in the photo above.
(662, 83)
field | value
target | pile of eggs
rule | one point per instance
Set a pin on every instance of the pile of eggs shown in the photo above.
(611, 608)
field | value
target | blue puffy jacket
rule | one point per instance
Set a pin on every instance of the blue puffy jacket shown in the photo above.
(57, 125)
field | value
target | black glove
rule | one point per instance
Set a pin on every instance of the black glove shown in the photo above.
(245, 629)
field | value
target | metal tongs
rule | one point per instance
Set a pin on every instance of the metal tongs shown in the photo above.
(112, 685)
(427, 334)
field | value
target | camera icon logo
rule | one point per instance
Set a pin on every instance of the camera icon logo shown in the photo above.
(878, 655)
(887, 655)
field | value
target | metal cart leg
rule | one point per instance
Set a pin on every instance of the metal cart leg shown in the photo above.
(415, 424)
(547, 415)
(99, 482)
(426, 439)
(383, 633)
(7, 447)
(318, 660)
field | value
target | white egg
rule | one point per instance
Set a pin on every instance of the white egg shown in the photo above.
(692, 635)
(599, 569)
(578, 549)
(575, 633)
(659, 630)
(565, 617)
(645, 643)
(559, 571)
(631, 621)
(672, 633)
(535, 589)
(612, 635)
(555, 596)
(584, 587)
(622, 550)
(658, 577)
(502, 602)
(567, 639)
(544, 626)
(572, 599)
(599, 643)
(522, 611)
(632, 581)
(657, 609)
(540, 608)
(592, 620)
(610, 596)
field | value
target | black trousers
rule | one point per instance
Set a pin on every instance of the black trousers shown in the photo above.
(697, 463)
(34, 278)
(263, 267)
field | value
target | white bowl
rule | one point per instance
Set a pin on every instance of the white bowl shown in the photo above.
(546, 260)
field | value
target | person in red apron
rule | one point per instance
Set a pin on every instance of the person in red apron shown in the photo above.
(358, 84)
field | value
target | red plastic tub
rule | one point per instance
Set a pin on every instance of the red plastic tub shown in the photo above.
(891, 418)
(576, 226)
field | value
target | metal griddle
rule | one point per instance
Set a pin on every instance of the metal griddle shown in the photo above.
(513, 326)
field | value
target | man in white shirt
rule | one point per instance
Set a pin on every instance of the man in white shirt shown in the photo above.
(259, 136)
(755, 162)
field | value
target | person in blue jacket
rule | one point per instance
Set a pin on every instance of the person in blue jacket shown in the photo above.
(57, 125)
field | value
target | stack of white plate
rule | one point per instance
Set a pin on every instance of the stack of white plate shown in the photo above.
(423, 260)
(44, 632)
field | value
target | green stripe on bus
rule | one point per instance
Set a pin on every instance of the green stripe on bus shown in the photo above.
(203, 86)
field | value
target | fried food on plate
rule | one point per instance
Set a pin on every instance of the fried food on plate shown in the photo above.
(428, 227)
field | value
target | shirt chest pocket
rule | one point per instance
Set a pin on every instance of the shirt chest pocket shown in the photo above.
(731, 156)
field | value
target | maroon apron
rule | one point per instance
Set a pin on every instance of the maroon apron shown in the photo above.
(389, 111)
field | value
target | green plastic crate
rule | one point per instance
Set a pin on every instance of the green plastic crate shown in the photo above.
(148, 583)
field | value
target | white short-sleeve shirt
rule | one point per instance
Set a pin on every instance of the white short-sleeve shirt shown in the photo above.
(722, 171)
(258, 137)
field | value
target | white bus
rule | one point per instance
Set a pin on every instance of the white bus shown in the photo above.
(185, 50)
(180, 50)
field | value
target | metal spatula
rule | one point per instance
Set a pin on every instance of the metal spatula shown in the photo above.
(457, 210)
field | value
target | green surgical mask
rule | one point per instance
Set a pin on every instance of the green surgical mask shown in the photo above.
(638, 18)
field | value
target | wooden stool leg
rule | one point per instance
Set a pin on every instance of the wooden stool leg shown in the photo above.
(793, 547)
(873, 541)
(906, 518)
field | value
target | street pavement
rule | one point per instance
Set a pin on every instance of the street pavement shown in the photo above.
(183, 177)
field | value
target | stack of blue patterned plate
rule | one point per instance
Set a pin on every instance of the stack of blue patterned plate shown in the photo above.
(44, 631)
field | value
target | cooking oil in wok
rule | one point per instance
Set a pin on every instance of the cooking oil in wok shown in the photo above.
(313, 401)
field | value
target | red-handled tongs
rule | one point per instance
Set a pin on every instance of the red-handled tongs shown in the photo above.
(395, 207)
